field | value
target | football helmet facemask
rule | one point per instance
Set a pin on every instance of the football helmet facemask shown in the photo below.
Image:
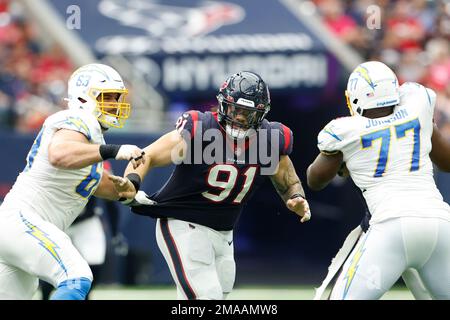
(99, 89)
(244, 101)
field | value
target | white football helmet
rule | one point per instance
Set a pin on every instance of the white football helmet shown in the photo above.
(371, 85)
(87, 88)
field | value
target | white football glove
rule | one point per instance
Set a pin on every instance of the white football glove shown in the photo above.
(141, 199)
(131, 153)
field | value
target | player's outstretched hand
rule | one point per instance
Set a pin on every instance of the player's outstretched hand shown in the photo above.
(141, 199)
(131, 153)
(123, 186)
(301, 207)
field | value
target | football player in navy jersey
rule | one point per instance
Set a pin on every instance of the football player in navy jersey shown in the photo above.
(222, 158)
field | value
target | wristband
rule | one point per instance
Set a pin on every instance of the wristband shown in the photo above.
(135, 179)
(108, 151)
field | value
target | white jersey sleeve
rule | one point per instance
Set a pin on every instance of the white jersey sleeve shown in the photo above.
(76, 121)
(336, 136)
(413, 92)
(57, 195)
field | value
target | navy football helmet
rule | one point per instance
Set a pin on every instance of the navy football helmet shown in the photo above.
(244, 101)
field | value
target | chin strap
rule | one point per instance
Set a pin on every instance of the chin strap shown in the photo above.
(230, 132)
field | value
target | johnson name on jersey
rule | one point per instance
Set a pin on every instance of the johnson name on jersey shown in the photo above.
(388, 157)
(58, 195)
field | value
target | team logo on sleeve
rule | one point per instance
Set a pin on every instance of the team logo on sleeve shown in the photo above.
(79, 124)
(329, 131)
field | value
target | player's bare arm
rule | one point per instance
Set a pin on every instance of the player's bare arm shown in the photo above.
(440, 152)
(159, 154)
(71, 149)
(286, 181)
(289, 187)
(323, 170)
(114, 188)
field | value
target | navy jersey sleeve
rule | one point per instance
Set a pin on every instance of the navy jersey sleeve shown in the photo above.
(187, 124)
(286, 138)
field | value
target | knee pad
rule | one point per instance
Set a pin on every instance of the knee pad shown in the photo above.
(226, 270)
(72, 289)
(219, 290)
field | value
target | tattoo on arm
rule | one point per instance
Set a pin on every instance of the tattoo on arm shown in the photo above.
(287, 183)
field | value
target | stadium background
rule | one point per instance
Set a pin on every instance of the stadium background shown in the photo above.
(174, 55)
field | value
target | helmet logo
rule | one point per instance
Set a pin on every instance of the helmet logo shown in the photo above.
(245, 96)
(224, 85)
(245, 102)
(364, 73)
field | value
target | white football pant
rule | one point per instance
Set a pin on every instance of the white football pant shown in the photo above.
(31, 248)
(200, 259)
(391, 247)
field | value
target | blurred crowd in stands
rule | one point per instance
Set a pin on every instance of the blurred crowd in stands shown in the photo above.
(411, 36)
(33, 73)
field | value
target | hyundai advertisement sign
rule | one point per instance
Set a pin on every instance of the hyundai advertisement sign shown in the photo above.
(191, 46)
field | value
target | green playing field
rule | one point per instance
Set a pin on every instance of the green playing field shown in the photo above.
(239, 293)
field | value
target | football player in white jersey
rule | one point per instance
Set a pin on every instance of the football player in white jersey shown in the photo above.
(64, 168)
(386, 146)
